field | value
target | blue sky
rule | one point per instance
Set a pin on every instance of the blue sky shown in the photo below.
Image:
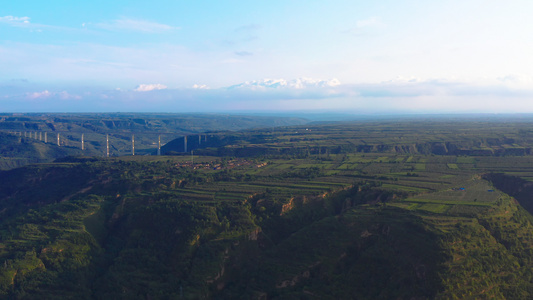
(249, 56)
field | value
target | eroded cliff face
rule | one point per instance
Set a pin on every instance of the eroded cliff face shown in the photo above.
(481, 148)
(225, 146)
(520, 189)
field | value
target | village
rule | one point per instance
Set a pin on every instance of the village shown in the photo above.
(217, 165)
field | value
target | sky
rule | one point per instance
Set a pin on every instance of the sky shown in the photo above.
(350, 56)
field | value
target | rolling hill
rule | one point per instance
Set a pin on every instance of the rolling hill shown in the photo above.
(273, 225)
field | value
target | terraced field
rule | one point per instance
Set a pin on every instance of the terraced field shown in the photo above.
(372, 213)
(437, 184)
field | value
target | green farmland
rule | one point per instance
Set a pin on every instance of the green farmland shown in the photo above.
(371, 210)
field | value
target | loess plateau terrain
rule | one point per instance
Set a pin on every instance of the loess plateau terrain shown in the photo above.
(388, 209)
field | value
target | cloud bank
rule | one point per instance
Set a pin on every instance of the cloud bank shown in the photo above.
(37, 95)
(403, 95)
(15, 21)
(150, 87)
(300, 83)
(200, 86)
(63, 95)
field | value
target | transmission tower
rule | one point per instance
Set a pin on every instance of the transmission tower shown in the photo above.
(159, 146)
(132, 145)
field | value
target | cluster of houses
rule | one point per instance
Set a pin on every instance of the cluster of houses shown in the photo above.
(220, 166)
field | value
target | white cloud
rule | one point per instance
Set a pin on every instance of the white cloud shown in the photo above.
(64, 95)
(24, 22)
(517, 80)
(300, 83)
(39, 95)
(15, 21)
(135, 25)
(149, 87)
(403, 95)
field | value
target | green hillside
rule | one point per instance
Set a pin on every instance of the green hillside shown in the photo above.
(17, 151)
(276, 225)
(32, 138)
(442, 136)
(144, 227)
